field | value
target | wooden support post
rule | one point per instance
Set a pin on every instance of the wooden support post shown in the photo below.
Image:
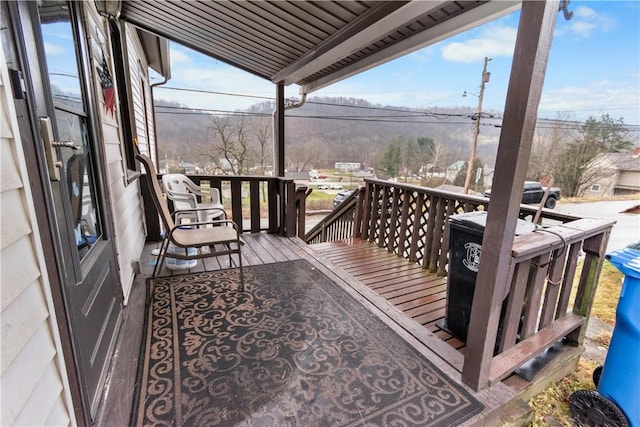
(290, 205)
(535, 32)
(278, 132)
(301, 209)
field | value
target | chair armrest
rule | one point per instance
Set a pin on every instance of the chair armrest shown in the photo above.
(226, 222)
(210, 192)
(177, 196)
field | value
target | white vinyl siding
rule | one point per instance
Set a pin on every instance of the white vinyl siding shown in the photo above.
(141, 94)
(33, 381)
(125, 198)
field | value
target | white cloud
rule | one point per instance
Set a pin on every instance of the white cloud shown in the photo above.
(585, 23)
(616, 98)
(423, 55)
(53, 49)
(178, 56)
(494, 41)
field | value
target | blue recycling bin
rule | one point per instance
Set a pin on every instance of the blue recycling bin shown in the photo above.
(620, 378)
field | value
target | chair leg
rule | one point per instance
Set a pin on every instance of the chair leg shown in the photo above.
(161, 257)
(240, 266)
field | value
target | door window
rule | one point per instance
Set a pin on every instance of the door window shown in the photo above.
(71, 122)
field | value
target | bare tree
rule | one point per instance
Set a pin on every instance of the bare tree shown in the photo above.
(548, 142)
(301, 155)
(230, 151)
(577, 165)
(263, 151)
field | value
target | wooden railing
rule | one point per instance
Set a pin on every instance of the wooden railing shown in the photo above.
(544, 265)
(255, 203)
(412, 222)
(339, 224)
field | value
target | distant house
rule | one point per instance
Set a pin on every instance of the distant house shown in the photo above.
(453, 169)
(619, 174)
(346, 166)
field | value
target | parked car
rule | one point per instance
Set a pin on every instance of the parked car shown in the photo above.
(341, 197)
(336, 186)
(323, 186)
(533, 192)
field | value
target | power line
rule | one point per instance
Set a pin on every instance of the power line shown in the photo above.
(414, 112)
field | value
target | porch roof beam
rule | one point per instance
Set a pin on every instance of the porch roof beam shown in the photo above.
(370, 27)
(533, 43)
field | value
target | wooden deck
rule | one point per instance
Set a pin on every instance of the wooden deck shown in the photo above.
(420, 295)
(368, 272)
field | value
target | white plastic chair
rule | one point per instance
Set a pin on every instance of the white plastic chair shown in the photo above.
(184, 194)
(222, 238)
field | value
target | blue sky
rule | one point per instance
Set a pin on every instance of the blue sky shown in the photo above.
(594, 68)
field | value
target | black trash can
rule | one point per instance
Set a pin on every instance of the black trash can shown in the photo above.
(465, 247)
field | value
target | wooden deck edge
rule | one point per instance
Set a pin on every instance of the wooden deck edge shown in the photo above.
(509, 360)
(563, 363)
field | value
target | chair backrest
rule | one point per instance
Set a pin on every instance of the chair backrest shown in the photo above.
(156, 192)
(175, 183)
(179, 183)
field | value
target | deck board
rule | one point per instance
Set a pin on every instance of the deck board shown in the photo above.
(419, 294)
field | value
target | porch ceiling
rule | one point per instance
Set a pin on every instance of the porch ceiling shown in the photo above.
(311, 43)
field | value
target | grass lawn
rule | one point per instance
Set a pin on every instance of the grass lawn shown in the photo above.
(553, 403)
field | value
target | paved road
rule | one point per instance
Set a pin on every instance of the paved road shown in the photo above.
(627, 228)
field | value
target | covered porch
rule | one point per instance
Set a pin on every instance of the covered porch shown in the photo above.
(411, 222)
(393, 259)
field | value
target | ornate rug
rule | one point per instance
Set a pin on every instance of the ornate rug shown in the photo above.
(294, 349)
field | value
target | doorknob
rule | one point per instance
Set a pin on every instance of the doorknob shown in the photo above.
(53, 164)
(65, 144)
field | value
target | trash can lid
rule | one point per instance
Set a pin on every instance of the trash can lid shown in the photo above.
(477, 220)
(626, 260)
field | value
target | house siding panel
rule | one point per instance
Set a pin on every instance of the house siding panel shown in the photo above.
(128, 226)
(20, 324)
(13, 211)
(30, 341)
(16, 280)
(41, 402)
(629, 180)
(19, 382)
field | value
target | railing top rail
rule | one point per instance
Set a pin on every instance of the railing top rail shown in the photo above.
(549, 239)
(470, 198)
(435, 191)
(236, 177)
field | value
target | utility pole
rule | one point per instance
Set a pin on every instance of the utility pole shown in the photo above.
(472, 158)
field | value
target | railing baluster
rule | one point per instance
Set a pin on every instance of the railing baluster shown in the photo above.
(513, 313)
(254, 203)
(553, 287)
(431, 220)
(534, 292)
(567, 281)
(437, 236)
(417, 225)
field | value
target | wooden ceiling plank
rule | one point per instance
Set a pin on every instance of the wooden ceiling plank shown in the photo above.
(204, 45)
(234, 33)
(273, 27)
(360, 33)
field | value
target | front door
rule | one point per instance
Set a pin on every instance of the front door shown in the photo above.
(59, 78)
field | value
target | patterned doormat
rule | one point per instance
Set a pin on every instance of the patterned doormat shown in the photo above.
(294, 349)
